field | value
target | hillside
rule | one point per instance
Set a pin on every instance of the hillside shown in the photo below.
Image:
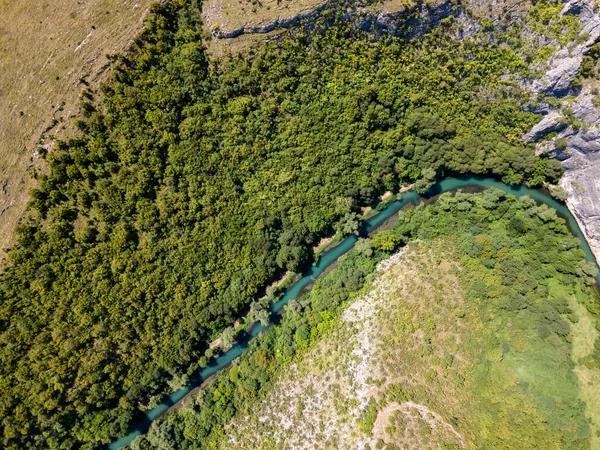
(566, 81)
(472, 336)
(47, 47)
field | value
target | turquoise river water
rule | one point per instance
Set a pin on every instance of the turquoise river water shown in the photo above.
(449, 184)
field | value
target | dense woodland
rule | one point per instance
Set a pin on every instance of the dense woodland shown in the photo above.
(193, 183)
(519, 266)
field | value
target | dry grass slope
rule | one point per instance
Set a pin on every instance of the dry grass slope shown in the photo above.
(46, 46)
(381, 341)
(230, 15)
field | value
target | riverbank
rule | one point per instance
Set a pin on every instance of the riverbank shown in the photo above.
(374, 222)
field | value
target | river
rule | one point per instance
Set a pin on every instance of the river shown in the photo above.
(372, 223)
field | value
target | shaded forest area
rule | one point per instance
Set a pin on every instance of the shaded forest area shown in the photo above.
(193, 183)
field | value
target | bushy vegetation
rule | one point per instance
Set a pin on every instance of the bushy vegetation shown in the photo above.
(509, 383)
(588, 67)
(194, 183)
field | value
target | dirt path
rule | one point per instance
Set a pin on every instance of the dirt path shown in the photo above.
(433, 419)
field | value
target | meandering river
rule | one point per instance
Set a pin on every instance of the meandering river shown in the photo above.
(449, 184)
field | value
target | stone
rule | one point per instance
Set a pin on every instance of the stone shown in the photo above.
(581, 155)
(550, 123)
(582, 184)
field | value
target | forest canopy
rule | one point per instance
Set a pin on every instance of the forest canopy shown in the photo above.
(194, 183)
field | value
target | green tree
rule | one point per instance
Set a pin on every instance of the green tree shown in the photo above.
(228, 338)
(349, 224)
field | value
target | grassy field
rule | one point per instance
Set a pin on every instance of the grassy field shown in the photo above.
(585, 333)
(229, 15)
(47, 46)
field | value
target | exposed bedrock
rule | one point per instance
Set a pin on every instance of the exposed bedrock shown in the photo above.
(576, 125)
(566, 61)
(579, 151)
(582, 183)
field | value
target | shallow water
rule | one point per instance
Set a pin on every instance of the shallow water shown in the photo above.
(449, 184)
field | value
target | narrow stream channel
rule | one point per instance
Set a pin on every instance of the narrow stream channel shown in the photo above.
(449, 184)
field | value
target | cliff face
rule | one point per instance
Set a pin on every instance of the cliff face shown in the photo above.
(575, 122)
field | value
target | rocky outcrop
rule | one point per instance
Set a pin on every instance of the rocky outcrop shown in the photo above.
(366, 18)
(565, 63)
(553, 122)
(262, 28)
(579, 150)
(582, 184)
(576, 124)
(403, 23)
